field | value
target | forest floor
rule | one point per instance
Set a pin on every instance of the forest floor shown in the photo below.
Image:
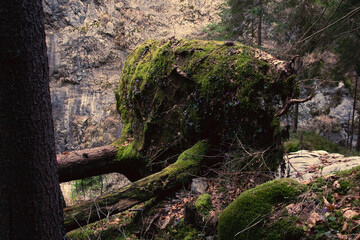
(329, 209)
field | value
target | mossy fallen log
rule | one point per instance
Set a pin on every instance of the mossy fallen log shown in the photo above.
(177, 92)
(96, 161)
(160, 183)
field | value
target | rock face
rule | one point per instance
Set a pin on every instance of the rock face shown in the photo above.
(328, 113)
(88, 42)
(106, 184)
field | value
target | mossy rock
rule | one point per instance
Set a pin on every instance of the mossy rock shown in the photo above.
(177, 92)
(244, 218)
(203, 203)
(284, 229)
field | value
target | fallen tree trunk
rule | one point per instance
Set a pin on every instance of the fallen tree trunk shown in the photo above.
(160, 183)
(91, 162)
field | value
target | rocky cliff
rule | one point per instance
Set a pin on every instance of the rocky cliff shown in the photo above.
(89, 40)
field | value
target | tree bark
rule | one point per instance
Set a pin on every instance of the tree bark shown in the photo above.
(160, 183)
(29, 189)
(358, 139)
(296, 118)
(91, 162)
(259, 40)
(353, 116)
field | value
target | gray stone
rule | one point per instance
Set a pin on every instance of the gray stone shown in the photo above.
(306, 165)
(327, 113)
(199, 185)
(110, 182)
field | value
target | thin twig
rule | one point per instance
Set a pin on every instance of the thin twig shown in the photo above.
(253, 225)
(349, 14)
(291, 102)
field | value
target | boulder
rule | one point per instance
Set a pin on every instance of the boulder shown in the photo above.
(244, 217)
(174, 93)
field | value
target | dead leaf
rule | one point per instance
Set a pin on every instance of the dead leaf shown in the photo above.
(341, 237)
(313, 219)
(165, 223)
(293, 209)
(329, 206)
(336, 185)
(349, 214)
(330, 176)
(357, 237)
(345, 226)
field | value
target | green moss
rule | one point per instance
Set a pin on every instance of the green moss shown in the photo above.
(284, 229)
(252, 207)
(182, 231)
(189, 160)
(203, 203)
(354, 171)
(318, 184)
(345, 186)
(81, 234)
(312, 141)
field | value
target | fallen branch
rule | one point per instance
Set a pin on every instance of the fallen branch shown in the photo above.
(291, 102)
(91, 162)
(163, 182)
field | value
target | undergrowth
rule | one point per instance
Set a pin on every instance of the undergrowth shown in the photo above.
(305, 140)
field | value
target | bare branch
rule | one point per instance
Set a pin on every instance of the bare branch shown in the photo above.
(291, 102)
(348, 15)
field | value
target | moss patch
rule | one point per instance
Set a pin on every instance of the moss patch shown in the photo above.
(284, 229)
(203, 203)
(244, 218)
(182, 231)
(312, 141)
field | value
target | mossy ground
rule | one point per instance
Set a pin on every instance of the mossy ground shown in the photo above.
(312, 141)
(328, 209)
(203, 203)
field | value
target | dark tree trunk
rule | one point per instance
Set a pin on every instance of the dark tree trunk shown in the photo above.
(358, 136)
(259, 42)
(29, 188)
(296, 118)
(353, 115)
(358, 139)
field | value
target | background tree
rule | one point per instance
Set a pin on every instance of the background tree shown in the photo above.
(246, 19)
(346, 42)
(299, 28)
(29, 188)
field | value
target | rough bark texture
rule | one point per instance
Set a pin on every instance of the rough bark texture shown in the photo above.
(353, 115)
(29, 188)
(89, 162)
(160, 183)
